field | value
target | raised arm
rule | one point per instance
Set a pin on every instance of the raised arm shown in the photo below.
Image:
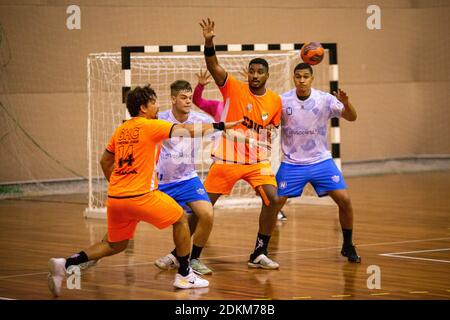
(218, 73)
(349, 112)
(212, 107)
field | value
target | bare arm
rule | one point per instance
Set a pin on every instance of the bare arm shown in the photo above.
(349, 112)
(218, 73)
(107, 164)
(199, 129)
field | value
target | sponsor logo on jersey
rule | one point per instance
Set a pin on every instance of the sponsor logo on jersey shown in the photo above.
(264, 116)
(249, 107)
(289, 111)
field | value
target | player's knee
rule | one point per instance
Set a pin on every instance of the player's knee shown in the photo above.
(209, 217)
(271, 200)
(117, 247)
(344, 202)
(274, 200)
(206, 216)
(269, 197)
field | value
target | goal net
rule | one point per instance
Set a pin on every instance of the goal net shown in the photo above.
(107, 111)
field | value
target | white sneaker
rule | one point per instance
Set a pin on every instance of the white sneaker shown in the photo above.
(281, 216)
(199, 267)
(167, 262)
(57, 268)
(190, 281)
(262, 261)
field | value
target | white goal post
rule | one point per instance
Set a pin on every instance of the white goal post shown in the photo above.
(111, 76)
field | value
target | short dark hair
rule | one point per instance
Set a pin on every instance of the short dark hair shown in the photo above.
(302, 66)
(259, 61)
(179, 85)
(139, 96)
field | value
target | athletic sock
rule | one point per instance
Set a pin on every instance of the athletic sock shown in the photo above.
(347, 234)
(262, 241)
(174, 253)
(184, 265)
(196, 251)
(76, 259)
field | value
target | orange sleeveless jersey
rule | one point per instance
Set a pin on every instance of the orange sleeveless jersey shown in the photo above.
(257, 111)
(135, 145)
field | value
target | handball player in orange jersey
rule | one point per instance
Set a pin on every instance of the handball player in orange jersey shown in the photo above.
(233, 161)
(128, 164)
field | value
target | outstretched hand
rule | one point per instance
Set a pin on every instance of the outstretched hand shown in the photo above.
(342, 96)
(203, 77)
(208, 28)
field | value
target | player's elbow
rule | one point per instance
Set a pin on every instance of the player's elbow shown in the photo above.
(104, 164)
(107, 160)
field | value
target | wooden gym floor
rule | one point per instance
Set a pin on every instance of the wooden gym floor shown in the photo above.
(402, 225)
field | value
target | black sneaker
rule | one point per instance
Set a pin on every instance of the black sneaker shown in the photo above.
(350, 253)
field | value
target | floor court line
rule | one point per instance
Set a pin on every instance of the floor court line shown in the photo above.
(417, 251)
(245, 255)
(22, 275)
(413, 258)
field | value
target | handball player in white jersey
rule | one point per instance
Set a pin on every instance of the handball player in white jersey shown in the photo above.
(177, 176)
(306, 154)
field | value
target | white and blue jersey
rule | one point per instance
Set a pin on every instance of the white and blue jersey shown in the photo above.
(304, 126)
(177, 157)
(176, 164)
(304, 144)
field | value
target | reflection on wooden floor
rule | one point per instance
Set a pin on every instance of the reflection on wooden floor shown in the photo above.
(402, 225)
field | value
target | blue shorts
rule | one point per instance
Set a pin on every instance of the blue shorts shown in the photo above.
(185, 191)
(324, 176)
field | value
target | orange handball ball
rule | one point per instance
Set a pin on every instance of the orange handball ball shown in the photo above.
(312, 53)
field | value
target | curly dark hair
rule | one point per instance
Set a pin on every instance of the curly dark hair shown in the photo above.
(139, 96)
